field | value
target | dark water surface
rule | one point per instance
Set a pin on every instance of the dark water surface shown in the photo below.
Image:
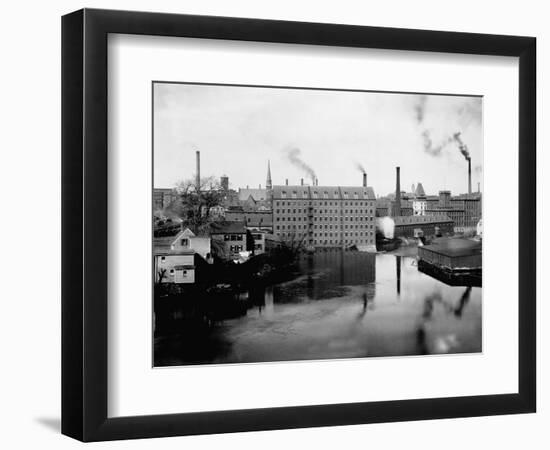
(339, 305)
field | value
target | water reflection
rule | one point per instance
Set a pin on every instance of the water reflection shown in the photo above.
(338, 305)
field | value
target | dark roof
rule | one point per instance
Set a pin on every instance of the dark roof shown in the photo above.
(223, 227)
(333, 192)
(455, 247)
(420, 220)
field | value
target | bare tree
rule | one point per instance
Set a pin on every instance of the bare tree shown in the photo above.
(161, 274)
(193, 205)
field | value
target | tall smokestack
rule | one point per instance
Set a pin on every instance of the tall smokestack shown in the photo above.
(364, 179)
(397, 211)
(301, 181)
(478, 187)
(469, 176)
(286, 181)
(198, 176)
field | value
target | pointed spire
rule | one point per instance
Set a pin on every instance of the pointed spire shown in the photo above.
(268, 180)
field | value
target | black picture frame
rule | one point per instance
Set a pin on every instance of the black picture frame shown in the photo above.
(84, 224)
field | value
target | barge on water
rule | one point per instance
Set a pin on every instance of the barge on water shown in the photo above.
(455, 261)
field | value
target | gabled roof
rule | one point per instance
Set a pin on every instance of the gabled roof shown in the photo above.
(256, 194)
(164, 244)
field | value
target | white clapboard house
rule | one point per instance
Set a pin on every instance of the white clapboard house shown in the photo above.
(174, 256)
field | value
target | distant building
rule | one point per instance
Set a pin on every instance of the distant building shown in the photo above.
(224, 182)
(254, 197)
(419, 202)
(217, 212)
(387, 207)
(259, 237)
(471, 204)
(419, 206)
(464, 209)
(419, 191)
(162, 197)
(418, 226)
(229, 238)
(260, 218)
(325, 216)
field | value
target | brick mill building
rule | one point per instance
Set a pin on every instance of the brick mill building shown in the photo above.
(325, 216)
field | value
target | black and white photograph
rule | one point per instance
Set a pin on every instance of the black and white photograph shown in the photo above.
(294, 224)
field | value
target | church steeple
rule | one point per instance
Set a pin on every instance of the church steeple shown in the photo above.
(268, 184)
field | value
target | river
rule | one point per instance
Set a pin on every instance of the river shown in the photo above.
(339, 305)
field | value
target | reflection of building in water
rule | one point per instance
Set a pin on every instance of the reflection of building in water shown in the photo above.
(269, 301)
(344, 268)
(463, 301)
(398, 273)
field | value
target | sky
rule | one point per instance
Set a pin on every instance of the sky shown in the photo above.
(332, 133)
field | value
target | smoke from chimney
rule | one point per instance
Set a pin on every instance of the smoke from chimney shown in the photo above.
(461, 146)
(198, 175)
(464, 150)
(294, 156)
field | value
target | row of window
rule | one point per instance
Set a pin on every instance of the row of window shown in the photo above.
(326, 219)
(232, 237)
(329, 234)
(236, 248)
(324, 211)
(326, 227)
(323, 194)
(317, 203)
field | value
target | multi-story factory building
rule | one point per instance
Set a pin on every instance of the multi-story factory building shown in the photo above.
(325, 216)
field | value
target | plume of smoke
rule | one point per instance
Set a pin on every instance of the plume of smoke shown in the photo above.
(294, 156)
(430, 147)
(478, 168)
(420, 108)
(461, 146)
(360, 167)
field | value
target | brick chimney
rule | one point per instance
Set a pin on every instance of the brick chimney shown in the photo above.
(397, 210)
(198, 175)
